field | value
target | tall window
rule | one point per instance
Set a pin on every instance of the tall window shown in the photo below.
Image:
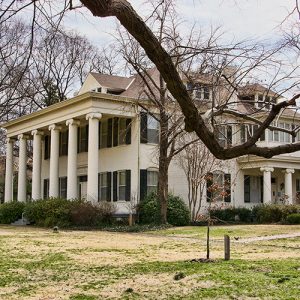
(105, 186)
(63, 187)
(152, 181)
(152, 130)
(224, 135)
(248, 130)
(121, 185)
(103, 134)
(47, 147)
(218, 187)
(280, 136)
(63, 143)
(83, 138)
(46, 189)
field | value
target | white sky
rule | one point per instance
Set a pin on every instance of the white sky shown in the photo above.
(242, 19)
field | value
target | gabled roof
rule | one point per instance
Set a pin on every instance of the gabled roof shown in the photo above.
(112, 81)
(251, 89)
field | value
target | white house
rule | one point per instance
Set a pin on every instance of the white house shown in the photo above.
(101, 145)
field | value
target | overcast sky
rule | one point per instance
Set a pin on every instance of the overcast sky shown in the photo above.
(241, 19)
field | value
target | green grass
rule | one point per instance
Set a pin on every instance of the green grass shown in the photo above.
(34, 262)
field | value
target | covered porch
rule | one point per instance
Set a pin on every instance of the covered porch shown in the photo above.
(270, 181)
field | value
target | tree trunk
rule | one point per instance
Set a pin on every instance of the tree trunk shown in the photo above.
(163, 167)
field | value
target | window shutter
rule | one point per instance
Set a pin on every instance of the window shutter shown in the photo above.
(78, 139)
(47, 147)
(46, 189)
(115, 132)
(108, 196)
(86, 146)
(109, 133)
(229, 135)
(227, 187)
(115, 186)
(128, 131)
(99, 187)
(261, 189)
(243, 134)
(246, 188)
(99, 136)
(143, 184)
(143, 133)
(128, 185)
(209, 183)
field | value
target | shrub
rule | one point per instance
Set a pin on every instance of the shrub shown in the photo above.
(177, 212)
(49, 212)
(274, 213)
(11, 211)
(229, 214)
(293, 219)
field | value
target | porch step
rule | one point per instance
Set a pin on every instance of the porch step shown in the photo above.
(21, 222)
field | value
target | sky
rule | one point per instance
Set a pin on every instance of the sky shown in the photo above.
(239, 19)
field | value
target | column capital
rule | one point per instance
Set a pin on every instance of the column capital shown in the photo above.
(37, 132)
(22, 137)
(94, 115)
(287, 171)
(266, 169)
(54, 127)
(73, 122)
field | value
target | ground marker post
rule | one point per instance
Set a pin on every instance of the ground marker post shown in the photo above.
(226, 247)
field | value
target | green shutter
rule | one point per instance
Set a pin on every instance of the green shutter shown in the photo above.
(209, 183)
(246, 188)
(143, 125)
(128, 131)
(227, 187)
(128, 185)
(109, 133)
(115, 186)
(143, 184)
(108, 196)
(115, 131)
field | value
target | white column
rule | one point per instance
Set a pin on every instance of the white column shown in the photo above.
(22, 174)
(72, 159)
(9, 170)
(267, 193)
(93, 156)
(54, 160)
(36, 164)
(288, 185)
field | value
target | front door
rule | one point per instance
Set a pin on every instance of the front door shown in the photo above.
(274, 192)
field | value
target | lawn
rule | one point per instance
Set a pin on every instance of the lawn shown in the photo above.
(39, 264)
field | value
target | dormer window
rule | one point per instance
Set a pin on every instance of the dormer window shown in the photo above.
(199, 91)
(266, 102)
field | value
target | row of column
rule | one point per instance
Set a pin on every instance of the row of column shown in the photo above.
(267, 185)
(93, 160)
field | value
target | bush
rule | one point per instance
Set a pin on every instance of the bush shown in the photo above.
(49, 212)
(274, 213)
(68, 213)
(232, 214)
(293, 219)
(11, 211)
(177, 213)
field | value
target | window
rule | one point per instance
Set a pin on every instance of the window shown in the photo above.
(253, 189)
(47, 147)
(149, 128)
(224, 135)
(218, 187)
(115, 132)
(63, 187)
(152, 181)
(199, 91)
(280, 136)
(63, 143)
(122, 185)
(122, 131)
(46, 189)
(105, 186)
(83, 133)
(248, 130)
